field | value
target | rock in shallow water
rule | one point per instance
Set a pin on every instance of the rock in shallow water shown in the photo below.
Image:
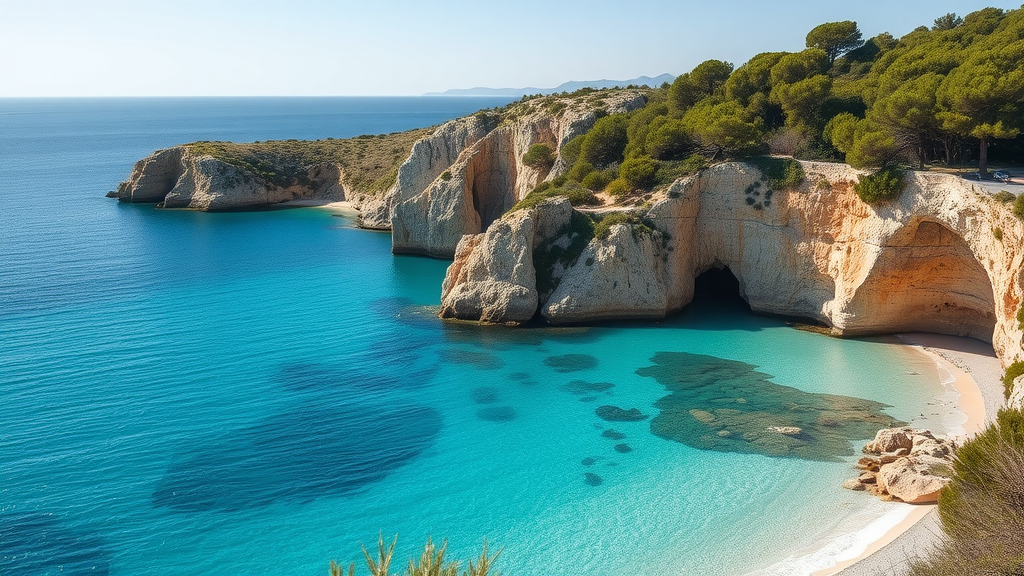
(592, 479)
(616, 414)
(613, 434)
(571, 362)
(623, 448)
(774, 420)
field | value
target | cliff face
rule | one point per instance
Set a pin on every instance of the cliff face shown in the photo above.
(177, 178)
(928, 261)
(457, 180)
(464, 177)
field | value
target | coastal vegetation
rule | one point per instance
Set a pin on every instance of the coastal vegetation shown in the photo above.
(982, 507)
(370, 163)
(432, 562)
(1013, 370)
(946, 95)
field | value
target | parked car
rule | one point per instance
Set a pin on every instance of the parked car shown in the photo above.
(1001, 175)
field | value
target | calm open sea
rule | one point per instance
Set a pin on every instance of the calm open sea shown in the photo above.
(258, 393)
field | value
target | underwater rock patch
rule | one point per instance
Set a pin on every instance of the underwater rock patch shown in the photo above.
(571, 362)
(592, 479)
(479, 360)
(485, 395)
(519, 376)
(589, 461)
(496, 413)
(613, 434)
(729, 406)
(623, 448)
(616, 414)
(298, 456)
(580, 387)
(588, 399)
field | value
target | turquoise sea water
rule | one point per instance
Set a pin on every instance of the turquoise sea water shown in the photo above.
(257, 393)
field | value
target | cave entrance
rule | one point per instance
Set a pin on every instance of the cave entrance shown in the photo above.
(718, 288)
(927, 279)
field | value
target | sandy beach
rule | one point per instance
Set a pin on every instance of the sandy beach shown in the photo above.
(974, 373)
(337, 207)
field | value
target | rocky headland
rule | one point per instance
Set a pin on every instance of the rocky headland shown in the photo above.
(928, 261)
(943, 257)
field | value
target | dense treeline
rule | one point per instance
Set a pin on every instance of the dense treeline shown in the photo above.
(940, 95)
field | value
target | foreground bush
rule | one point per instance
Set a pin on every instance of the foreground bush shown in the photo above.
(432, 562)
(982, 508)
(882, 186)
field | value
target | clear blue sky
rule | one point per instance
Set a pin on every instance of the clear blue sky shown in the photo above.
(398, 47)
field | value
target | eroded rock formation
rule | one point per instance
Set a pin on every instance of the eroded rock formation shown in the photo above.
(464, 177)
(927, 261)
(178, 178)
(904, 464)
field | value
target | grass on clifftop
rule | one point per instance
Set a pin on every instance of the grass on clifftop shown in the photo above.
(370, 162)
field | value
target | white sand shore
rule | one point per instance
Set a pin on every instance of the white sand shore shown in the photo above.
(337, 207)
(975, 375)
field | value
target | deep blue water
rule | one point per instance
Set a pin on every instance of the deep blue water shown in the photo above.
(190, 393)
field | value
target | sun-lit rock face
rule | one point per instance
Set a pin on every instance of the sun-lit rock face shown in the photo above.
(179, 178)
(468, 173)
(927, 261)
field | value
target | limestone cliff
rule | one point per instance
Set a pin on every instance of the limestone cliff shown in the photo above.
(929, 261)
(455, 179)
(465, 176)
(180, 178)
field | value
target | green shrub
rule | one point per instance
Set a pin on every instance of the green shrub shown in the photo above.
(1020, 317)
(636, 223)
(998, 233)
(606, 141)
(1018, 207)
(598, 179)
(1012, 372)
(446, 175)
(882, 186)
(539, 157)
(982, 508)
(669, 141)
(570, 151)
(577, 195)
(1004, 196)
(639, 172)
(580, 170)
(618, 187)
(781, 173)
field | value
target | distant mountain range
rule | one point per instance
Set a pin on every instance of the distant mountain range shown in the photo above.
(567, 87)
